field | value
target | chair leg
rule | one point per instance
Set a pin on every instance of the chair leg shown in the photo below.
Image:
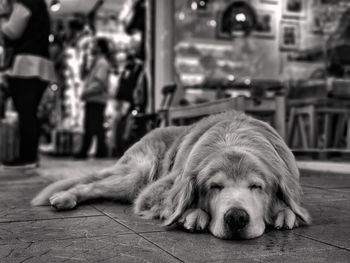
(303, 136)
(312, 127)
(348, 132)
(327, 130)
(339, 130)
(291, 127)
(280, 116)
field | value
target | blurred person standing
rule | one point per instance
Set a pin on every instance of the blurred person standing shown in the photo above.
(131, 97)
(95, 96)
(27, 32)
(130, 82)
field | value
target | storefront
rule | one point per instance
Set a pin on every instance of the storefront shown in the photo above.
(295, 48)
(288, 57)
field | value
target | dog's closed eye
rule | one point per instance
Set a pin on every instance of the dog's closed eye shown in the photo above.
(216, 187)
(255, 186)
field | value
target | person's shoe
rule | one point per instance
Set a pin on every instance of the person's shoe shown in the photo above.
(19, 164)
(32, 165)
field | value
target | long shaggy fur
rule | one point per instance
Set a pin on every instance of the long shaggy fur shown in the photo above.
(167, 175)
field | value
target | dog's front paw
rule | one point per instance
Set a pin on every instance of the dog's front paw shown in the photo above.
(63, 200)
(286, 218)
(194, 220)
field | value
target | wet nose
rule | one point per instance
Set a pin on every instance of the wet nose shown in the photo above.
(236, 218)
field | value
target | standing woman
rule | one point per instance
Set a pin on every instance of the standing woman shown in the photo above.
(95, 96)
(27, 33)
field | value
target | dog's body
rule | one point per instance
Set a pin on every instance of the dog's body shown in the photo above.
(228, 173)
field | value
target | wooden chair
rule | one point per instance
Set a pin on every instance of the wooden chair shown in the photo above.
(319, 125)
(271, 110)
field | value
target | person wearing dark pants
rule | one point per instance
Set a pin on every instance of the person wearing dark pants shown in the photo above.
(27, 32)
(95, 96)
(93, 126)
(26, 95)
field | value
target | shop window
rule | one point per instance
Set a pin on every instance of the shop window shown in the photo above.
(289, 42)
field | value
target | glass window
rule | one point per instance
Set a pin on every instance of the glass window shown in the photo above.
(292, 41)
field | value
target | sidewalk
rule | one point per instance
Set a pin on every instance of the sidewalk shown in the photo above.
(109, 232)
(325, 167)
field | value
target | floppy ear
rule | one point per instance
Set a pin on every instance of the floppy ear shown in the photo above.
(180, 198)
(289, 192)
(288, 188)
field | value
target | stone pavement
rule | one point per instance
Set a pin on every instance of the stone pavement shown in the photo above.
(109, 232)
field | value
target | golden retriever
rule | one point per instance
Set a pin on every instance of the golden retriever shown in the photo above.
(229, 173)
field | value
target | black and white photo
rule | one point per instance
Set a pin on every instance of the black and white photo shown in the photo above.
(146, 131)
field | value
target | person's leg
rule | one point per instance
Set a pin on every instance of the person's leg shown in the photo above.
(26, 95)
(100, 131)
(88, 131)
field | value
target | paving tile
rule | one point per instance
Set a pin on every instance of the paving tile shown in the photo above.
(325, 180)
(32, 231)
(12, 213)
(125, 215)
(126, 248)
(316, 195)
(15, 205)
(336, 233)
(12, 176)
(19, 195)
(329, 212)
(324, 256)
(327, 205)
(206, 248)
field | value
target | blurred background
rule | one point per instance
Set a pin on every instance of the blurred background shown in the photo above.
(198, 57)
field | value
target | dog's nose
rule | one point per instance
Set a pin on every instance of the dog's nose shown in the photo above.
(236, 218)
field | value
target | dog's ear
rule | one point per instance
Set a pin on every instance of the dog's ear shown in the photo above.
(180, 197)
(284, 167)
(289, 192)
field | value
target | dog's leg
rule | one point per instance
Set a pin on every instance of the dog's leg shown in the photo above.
(284, 217)
(116, 187)
(194, 220)
(150, 202)
(62, 185)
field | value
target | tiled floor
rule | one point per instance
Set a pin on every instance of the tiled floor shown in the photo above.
(109, 232)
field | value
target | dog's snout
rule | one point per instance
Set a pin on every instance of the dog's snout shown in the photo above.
(236, 218)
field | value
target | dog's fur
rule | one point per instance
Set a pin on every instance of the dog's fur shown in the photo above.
(228, 173)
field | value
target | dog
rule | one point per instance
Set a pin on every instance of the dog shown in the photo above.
(229, 174)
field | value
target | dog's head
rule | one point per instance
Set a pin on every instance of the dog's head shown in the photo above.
(239, 187)
(233, 190)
